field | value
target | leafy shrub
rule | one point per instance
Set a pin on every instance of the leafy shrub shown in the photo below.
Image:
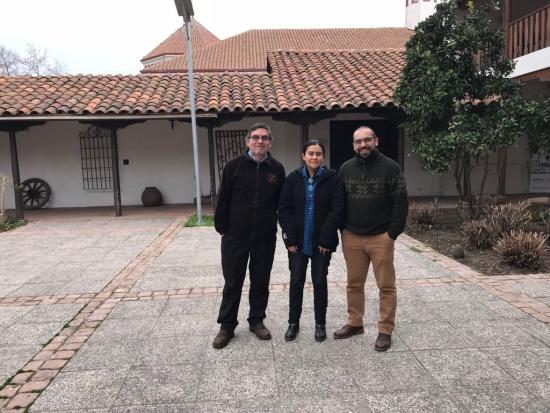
(522, 249)
(478, 234)
(421, 214)
(546, 224)
(541, 217)
(503, 218)
(9, 222)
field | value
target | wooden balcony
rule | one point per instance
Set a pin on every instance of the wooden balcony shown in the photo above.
(529, 33)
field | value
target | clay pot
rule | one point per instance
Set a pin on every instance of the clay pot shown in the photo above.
(151, 196)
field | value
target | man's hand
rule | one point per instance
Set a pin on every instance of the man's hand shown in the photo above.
(323, 250)
(293, 249)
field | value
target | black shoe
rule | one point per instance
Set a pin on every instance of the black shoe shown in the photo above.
(320, 332)
(222, 338)
(261, 331)
(292, 331)
(383, 342)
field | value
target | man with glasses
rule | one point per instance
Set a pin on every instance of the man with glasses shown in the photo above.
(377, 208)
(246, 217)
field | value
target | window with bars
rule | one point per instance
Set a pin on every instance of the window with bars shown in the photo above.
(95, 154)
(229, 144)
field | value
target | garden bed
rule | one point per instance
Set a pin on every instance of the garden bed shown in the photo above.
(446, 232)
(11, 223)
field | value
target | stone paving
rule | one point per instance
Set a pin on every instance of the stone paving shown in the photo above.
(118, 314)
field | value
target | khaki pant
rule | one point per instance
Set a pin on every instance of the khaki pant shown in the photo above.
(359, 252)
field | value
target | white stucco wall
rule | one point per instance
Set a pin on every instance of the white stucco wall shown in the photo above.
(531, 62)
(422, 183)
(416, 12)
(158, 156)
(163, 157)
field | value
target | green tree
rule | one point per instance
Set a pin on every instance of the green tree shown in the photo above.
(460, 102)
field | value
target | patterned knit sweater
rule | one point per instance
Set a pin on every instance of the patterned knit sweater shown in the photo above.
(376, 195)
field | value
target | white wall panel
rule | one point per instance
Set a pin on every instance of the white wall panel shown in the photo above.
(163, 157)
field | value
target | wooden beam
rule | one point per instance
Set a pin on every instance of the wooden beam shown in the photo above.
(304, 132)
(506, 23)
(542, 75)
(18, 126)
(12, 128)
(116, 174)
(213, 196)
(110, 124)
(19, 214)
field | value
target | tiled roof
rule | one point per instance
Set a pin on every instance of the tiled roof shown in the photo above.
(297, 81)
(175, 43)
(335, 80)
(133, 95)
(247, 51)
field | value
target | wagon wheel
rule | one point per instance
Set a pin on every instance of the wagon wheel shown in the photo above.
(35, 193)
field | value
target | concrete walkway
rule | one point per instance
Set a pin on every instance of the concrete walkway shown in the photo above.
(109, 314)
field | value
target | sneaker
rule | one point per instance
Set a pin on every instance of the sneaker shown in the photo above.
(383, 342)
(261, 331)
(222, 338)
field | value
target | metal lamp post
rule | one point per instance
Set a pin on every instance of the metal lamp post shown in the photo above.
(185, 10)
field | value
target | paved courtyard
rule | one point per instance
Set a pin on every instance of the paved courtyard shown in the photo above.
(104, 314)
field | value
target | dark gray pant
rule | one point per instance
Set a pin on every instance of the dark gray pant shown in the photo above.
(236, 254)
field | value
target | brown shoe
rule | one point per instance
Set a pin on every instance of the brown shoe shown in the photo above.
(222, 338)
(348, 331)
(261, 331)
(383, 342)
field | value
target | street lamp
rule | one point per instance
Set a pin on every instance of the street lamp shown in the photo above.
(185, 10)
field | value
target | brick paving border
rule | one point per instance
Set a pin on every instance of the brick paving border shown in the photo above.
(501, 286)
(83, 298)
(20, 392)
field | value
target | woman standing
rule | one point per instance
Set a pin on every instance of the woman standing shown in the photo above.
(311, 210)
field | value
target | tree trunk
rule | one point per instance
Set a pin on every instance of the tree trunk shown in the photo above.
(457, 173)
(501, 171)
(482, 185)
(468, 183)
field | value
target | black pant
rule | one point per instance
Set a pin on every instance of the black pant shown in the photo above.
(297, 264)
(235, 255)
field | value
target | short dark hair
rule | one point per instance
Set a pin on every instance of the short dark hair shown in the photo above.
(311, 143)
(258, 125)
(365, 127)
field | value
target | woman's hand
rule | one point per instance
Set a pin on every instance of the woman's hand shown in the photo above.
(323, 250)
(293, 249)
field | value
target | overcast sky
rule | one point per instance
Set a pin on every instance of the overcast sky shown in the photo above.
(111, 36)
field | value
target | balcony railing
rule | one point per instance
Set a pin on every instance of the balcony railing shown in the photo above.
(529, 33)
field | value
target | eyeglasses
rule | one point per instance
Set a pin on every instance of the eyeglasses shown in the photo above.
(256, 138)
(368, 139)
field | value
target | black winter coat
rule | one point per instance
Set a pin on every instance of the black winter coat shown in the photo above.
(329, 210)
(248, 197)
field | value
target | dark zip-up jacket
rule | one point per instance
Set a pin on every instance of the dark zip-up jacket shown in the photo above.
(328, 210)
(376, 195)
(248, 197)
